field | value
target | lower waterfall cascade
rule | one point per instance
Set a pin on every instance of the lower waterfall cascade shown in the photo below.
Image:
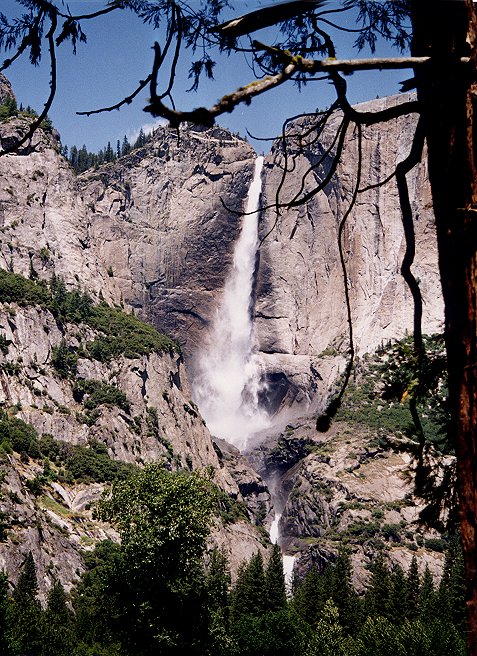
(228, 383)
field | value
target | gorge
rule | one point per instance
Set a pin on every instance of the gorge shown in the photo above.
(157, 234)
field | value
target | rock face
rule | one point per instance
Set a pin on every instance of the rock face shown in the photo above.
(154, 232)
(301, 315)
(6, 90)
(161, 221)
(346, 488)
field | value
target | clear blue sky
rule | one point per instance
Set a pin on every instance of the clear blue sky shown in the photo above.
(118, 54)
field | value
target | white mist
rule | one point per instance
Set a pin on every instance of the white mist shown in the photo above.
(228, 379)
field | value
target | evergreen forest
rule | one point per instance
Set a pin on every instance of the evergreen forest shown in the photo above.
(164, 590)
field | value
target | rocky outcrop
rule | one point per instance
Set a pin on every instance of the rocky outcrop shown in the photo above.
(145, 414)
(347, 489)
(301, 316)
(153, 230)
(6, 90)
(163, 221)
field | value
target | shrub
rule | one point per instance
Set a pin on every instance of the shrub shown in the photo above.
(64, 359)
(98, 393)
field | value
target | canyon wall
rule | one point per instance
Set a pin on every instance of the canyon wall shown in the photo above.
(301, 315)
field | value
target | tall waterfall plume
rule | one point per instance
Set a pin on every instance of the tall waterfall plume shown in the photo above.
(228, 381)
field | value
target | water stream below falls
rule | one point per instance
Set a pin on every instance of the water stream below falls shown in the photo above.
(227, 384)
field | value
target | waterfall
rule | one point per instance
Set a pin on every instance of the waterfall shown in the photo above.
(288, 561)
(228, 380)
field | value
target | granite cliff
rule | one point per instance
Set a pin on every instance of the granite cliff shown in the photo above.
(153, 233)
(301, 315)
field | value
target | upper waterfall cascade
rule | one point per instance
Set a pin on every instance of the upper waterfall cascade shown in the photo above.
(227, 385)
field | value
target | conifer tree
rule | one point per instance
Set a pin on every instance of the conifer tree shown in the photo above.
(328, 639)
(3, 613)
(109, 153)
(248, 595)
(343, 592)
(377, 598)
(58, 625)
(73, 159)
(308, 596)
(413, 588)
(275, 581)
(452, 586)
(399, 596)
(24, 613)
(141, 139)
(126, 146)
(217, 586)
(427, 597)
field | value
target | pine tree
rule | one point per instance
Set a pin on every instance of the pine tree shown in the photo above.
(108, 153)
(328, 639)
(343, 592)
(58, 624)
(399, 596)
(217, 586)
(73, 159)
(309, 596)
(126, 146)
(275, 581)
(377, 598)
(118, 149)
(141, 139)
(451, 594)
(26, 589)
(82, 161)
(3, 613)
(427, 597)
(248, 594)
(24, 613)
(413, 588)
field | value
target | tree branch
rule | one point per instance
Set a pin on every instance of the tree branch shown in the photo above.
(226, 104)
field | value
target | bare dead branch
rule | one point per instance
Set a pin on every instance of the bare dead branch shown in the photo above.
(125, 101)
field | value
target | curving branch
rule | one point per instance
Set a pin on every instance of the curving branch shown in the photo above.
(50, 36)
(226, 104)
(323, 421)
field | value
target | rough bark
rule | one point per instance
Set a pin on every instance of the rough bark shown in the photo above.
(447, 31)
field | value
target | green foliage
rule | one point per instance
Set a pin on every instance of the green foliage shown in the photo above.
(93, 464)
(248, 595)
(82, 464)
(328, 638)
(388, 381)
(24, 613)
(8, 109)
(81, 159)
(18, 435)
(17, 289)
(120, 333)
(275, 593)
(64, 359)
(58, 637)
(123, 334)
(163, 519)
(93, 393)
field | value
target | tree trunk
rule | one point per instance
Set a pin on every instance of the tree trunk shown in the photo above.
(446, 30)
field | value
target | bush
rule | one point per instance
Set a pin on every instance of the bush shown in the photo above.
(98, 393)
(64, 359)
